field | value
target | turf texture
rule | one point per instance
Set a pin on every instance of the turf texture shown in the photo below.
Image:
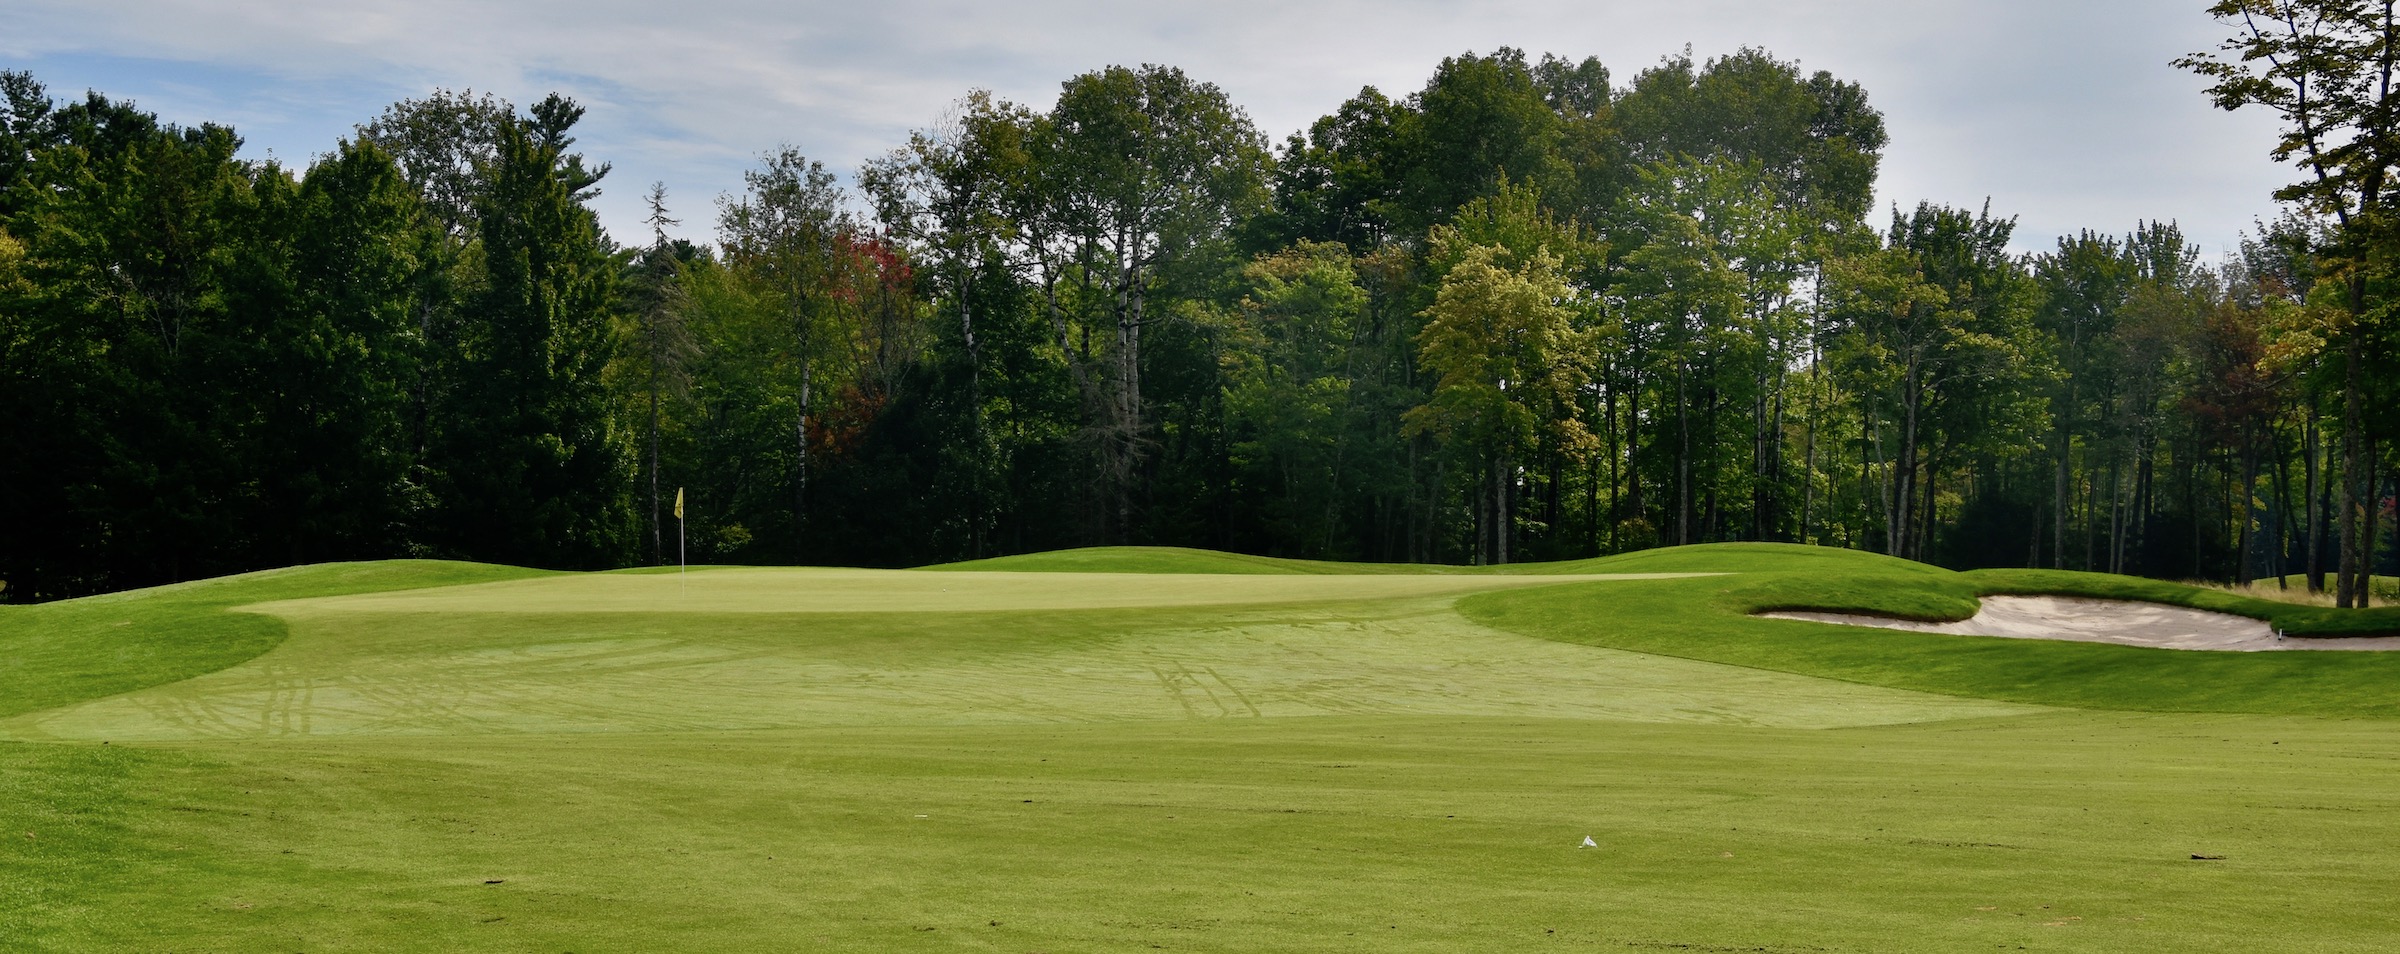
(1173, 750)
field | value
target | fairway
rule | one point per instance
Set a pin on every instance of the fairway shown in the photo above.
(756, 649)
(1050, 758)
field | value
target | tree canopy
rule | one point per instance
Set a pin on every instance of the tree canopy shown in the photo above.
(1530, 309)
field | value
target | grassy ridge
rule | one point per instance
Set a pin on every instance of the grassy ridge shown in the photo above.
(1700, 558)
(53, 654)
(1709, 619)
(2292, 618)
(1176, 560)
(59, 653)
(1153, 798)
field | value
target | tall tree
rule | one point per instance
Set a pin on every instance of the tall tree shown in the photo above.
(337, 460)
(1501, 338)
(1141, 175)
(2326, 69)
(655, 346)
(531, 469)
(1923, 326)
(943, 195)
(788, 231)
(1289, 375)
(445, 144)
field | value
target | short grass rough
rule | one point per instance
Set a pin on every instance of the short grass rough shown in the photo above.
(1173, 750)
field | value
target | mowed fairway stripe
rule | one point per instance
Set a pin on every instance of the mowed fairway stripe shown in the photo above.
(2062, 832)
(587, 654)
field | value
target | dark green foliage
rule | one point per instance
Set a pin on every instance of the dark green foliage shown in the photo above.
(214, 365)
(529, 469)
(1480, 118)
(128, 329)
(1522, 312)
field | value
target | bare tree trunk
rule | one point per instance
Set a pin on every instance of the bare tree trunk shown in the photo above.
(2314, 459)
(2145, 499)
(2066, 453)
(977, 504)
(2346, 577)
(2283, 522)
(1125, 444)
(1772, 502)
(1607, 407)
(2063, 443)
(1129, 418)
(1904, 475)
(1873, 492)
(1760, 490)
(2116, 517)
(2370, 517)
(800, 489)
(2090, 496)
(1500, 509)
(1632, 501)
(1808, 472)
(1683, 459)
(2241, 571)
(1926, 526)
(2375, 497)
(1552, 511)
(656, 541)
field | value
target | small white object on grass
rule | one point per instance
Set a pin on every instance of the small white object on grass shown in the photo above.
(1588, 843)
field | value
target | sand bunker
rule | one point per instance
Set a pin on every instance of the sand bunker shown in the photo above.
(2109, 621)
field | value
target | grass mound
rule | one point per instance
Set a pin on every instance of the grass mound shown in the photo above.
(1789, 558)
(1710, 619)
(1181, 560)
(53, 654)
(1313, 760)
(1698, 558)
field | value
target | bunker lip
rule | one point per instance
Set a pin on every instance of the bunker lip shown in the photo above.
(2124, 622)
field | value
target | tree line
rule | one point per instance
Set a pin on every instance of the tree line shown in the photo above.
(1526, 312)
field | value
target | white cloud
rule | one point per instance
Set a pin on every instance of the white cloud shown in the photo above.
(2066, 114)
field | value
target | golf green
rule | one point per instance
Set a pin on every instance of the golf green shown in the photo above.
(1213, 754)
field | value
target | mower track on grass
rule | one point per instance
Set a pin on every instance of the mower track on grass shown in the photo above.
(592, 654)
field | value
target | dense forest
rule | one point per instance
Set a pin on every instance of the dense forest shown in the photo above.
(1525, 312)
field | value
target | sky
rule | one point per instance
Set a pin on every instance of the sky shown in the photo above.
(2065, 114)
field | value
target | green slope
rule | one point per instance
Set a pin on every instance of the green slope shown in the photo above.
(456, 758)
(1710, 619)
(764, 648)
(1699, 558)
(1180, 560)
(52, 654)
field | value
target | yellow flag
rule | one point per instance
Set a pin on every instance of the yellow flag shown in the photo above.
(678, 503)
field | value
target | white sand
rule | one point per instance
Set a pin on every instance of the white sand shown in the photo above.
(2109, 621)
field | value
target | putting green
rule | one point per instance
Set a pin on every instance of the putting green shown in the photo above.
(758, 649)
(423, 757)
(808, 590)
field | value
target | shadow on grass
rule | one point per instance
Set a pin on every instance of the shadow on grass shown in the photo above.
(55, 654)
(1710, 620)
